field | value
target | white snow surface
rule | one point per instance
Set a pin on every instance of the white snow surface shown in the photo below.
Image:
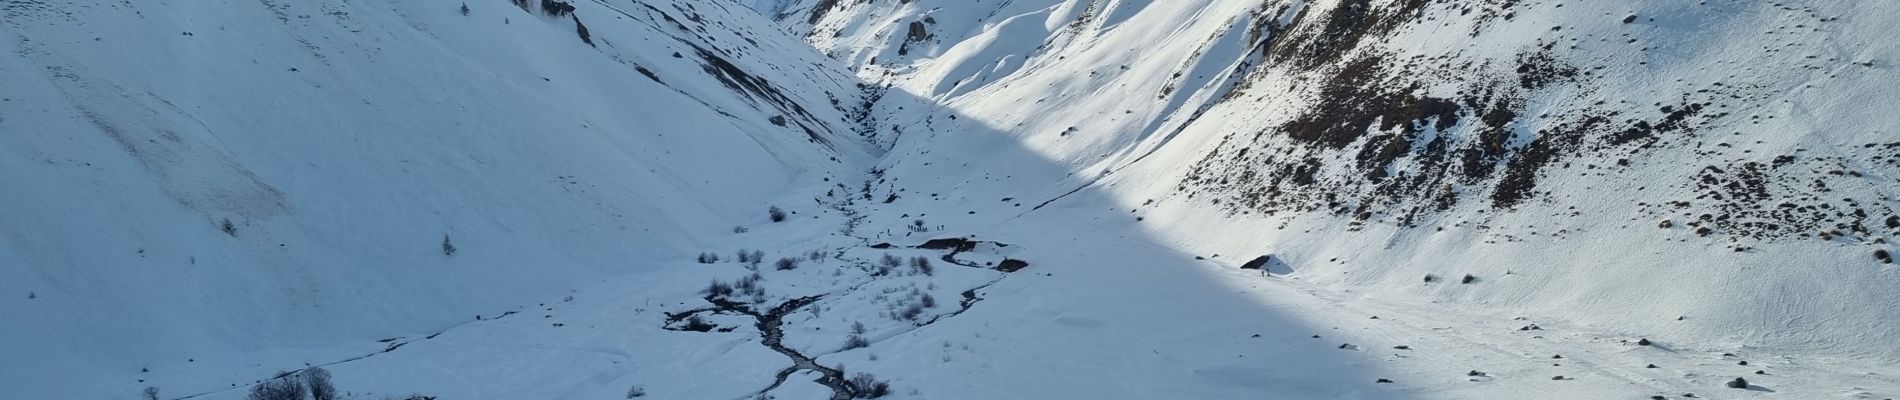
(349, 142)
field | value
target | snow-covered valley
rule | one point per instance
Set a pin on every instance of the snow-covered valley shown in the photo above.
(929, 199)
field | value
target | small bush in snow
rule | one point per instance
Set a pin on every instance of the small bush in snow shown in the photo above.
(855, 342)
(787, 264)
(448, 248)
(740, 229)
(928, 301)
(318, 381)
(228, 227)
(777, 214)
(151, 393)
(816, 255)
(867, 386)
(717, 288)
(922, 265)
(636, 391)
(697, 324)
(749, 285)
(464, 9)
(708, 258)
(857, 327)
(282, 388)
(911, 312)
(751, 258)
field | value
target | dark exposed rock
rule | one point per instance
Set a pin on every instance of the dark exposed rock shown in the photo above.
(952, 244)
(1257, 263)
(819, 10)
(581, 29)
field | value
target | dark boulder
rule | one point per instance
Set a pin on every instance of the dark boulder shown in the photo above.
(952, 244)
(1270, 264)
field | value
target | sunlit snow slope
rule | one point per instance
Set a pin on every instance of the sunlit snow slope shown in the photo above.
(1716, 170)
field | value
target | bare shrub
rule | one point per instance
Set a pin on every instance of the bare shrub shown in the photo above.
(281, 388)
(318, 381)
(718, 288)
(749, 285)
(911, 311)
(855, 342)
(866, 386)
(697, 324)
(922, 265)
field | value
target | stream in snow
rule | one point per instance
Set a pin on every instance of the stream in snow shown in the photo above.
(772, 332)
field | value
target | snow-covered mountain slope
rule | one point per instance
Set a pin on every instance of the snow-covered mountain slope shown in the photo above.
(226, 183)
(1703, 169)
(1007, 199)
(1719, 171)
